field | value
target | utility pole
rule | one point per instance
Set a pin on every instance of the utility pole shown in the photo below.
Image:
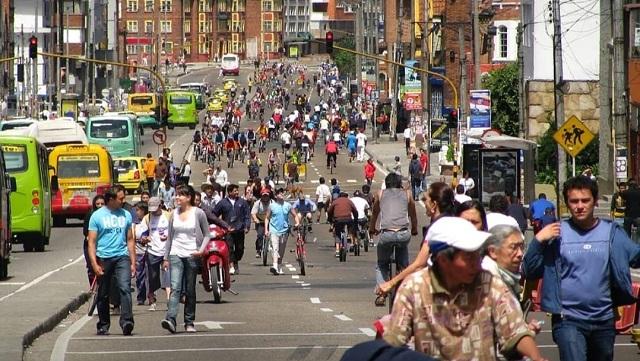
(359, 41)
(620, 124)
(476, 45)
(426, 96)
(558, 82)
(59, 51)
(34, 88)
(463, 74)
(396, 86)
(606, 172)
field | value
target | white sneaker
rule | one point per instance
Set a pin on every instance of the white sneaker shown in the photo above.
(280, 271)
(232, 270)
(153, 307)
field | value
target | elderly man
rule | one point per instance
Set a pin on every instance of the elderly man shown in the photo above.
(454, 309)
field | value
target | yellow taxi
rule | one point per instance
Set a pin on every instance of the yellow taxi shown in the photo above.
(130, 173)
(229, 84)
(215, 105)
(222, 95)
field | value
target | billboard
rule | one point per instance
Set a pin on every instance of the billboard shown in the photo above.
(412, 90)
(480, 109)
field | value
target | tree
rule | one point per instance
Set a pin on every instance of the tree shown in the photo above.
(504, 98)
(345, 61)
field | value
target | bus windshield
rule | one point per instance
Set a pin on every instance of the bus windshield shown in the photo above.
(141, 100)
(180, 99)
(109, 128)
(229, 58)
(78, 166)
(15, 158)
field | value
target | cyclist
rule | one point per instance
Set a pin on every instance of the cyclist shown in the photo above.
(323, 198)
(292, 171)
(363, 208)
(274, 160)
(305, 207)
(254, 164)
(341, 214)
(369, 171)
(331, 149)
(251, 137)
(258, 213)
(285, 139)
(277, 225)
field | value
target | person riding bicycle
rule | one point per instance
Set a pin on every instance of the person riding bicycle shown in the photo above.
(230, 146)
(251, 137)
(292, 171)
(253, 165)
(331, 149)
(305, 207)
(363, 208)
(341, 214)
(285, 138)
(258, 213)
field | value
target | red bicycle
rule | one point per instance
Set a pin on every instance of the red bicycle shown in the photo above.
(301, 254)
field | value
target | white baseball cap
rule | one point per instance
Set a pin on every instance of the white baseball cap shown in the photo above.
(455, 232)
(496, 218)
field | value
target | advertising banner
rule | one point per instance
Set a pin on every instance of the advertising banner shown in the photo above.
(480, 109)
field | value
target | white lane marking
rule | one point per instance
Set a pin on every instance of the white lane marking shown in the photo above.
(342, 317)
(352, 181)
(306, 288)
(216, 325)
(41, 278)
(203, 334)
(242, 182)
(315, 181)
(315, 300)
(306, 284)
(300, 282)
(326, 310)
(180, 137)
(291, 269)
(62, 342)
(367, 331)
(12, 283)
(295, 277)
(207, 349)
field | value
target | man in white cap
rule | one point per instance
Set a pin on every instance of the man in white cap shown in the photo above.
(454, 309)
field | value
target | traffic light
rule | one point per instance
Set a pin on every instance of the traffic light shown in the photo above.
(329, 41)
(33, 47)
(21, 73)
(452, 119)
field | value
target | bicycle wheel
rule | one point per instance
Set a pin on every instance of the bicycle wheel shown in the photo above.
(265, 251)
(93, 296)
(300, 256)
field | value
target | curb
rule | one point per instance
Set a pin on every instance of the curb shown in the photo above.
(52, 321)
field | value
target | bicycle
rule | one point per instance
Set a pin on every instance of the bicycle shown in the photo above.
(380, 300)
(363, 234)
(332, 163)
(230, 158)
(342, 246)
(301, 254)
(262, 145)
(93, 295)
(266, 249)
(273, 173)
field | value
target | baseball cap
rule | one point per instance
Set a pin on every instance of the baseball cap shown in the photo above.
(495, 218)
(455, 232)
(154, 204)
(265, 191)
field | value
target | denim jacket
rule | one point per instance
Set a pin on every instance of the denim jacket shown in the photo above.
(542, 260)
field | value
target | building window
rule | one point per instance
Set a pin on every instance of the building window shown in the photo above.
(166, 6)
(267, 26)
(132, 26)
(267, 5)
(148, 26)
(503, 44)
(148, 5)
(266, 47)
(147, 49)
(186, 28)
(165, 26)
(132, 6)
(168, 47)
(204, 6)
(132, 49)
(187, 48)
(203, 45)
(204, 25)
(73, 7)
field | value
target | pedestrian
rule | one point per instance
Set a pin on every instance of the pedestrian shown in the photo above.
(258, 214)
(407, 134)
(468, 183)
(460, 197)
(469, 310)
(518, 212)
(369, 171)
(498, 212)
(277, 224)
(96, 203)
(111, 250)
(397, 168)
(424, 163)
(584, 266)
(157, 222)
(395, 212)
(537, 210)
(618, 204)
(141, 236)
(236, 212)
(415, 175)
(185, 172)
(188, 236)
(323, 199)
(150, 171)
(631, 198)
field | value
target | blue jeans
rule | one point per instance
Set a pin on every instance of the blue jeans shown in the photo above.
(183, 280)
(386, 241)
(580, 340)
(416, 187)
(118, 269)
(141, 277)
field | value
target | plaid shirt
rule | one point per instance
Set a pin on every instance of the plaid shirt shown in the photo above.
(463, 326)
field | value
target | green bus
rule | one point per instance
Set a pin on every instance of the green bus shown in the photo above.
(118, 133)
(182, 109)
(26, 159)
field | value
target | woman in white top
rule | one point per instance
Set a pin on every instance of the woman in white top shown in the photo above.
(188, 236)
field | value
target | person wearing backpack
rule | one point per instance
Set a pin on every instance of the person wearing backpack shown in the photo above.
(254, 165)
(415, 174)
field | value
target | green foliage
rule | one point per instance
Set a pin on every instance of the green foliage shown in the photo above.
(449, 156)
(503, 84)
(345, 61)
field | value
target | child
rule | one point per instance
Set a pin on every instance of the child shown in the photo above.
(335, 189)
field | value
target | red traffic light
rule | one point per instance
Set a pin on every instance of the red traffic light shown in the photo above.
(329, 41)
(33, 40)
(329, 35)
(33, 47)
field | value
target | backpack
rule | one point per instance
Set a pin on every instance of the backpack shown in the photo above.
(254, 168)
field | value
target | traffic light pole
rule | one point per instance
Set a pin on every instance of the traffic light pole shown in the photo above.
(114, 63)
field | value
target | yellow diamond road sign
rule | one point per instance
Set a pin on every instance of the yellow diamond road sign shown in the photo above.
(573, 136)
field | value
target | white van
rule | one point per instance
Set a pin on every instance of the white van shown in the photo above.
(230, 64)
(56, 132)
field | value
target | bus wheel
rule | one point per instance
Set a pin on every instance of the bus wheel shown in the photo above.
(192, 126)
(38, 244)
(59, 221)
(170, 126)
(27, 246)
(4, 269)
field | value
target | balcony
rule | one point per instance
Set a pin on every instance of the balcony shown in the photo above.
(224, 15)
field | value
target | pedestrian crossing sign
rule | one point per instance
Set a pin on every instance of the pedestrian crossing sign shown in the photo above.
(573, 136)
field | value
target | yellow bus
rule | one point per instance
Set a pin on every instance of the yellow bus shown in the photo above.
(144, 106)
(182, 109)
(26, 159)
(79, 173)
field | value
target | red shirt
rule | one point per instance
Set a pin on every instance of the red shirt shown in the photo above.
(424, 161)
(369, 170)
(331, 148)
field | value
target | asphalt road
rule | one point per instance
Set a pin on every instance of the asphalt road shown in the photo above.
(287, 317)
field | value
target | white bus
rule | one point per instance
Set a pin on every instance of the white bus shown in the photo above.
(230, 64)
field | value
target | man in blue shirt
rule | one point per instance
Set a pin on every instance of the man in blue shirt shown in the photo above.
(305, 207)
(537, 209)
(276, 224)
(584, 263)
(111, 249)
(352, 141)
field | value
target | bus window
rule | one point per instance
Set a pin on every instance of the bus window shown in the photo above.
(15, 158)
(78, 166)
(109, 128)
(180, 99)
(141, 100)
